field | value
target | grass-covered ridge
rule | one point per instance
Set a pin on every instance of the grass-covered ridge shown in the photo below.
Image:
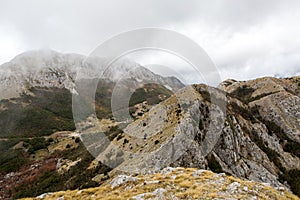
(176, 183)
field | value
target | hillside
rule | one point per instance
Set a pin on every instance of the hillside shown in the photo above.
(37, 131)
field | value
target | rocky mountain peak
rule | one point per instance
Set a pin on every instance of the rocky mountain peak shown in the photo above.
(47, 68)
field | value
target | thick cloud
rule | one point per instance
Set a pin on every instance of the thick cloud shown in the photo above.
(245, 39)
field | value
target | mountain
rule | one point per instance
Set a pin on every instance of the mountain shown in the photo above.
(175, 183)
(246, 129)
(37, 130)
(47, 68)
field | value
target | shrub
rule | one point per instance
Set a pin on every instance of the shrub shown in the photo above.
(292, 177)
(77, 140)
(12, 160)
(50, 140)
(243, 93)
(214, 165)
(37, 144)
(149, 93)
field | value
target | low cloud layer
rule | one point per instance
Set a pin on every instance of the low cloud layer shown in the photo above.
(245, 39)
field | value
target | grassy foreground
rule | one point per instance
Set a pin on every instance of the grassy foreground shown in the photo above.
(175, 183)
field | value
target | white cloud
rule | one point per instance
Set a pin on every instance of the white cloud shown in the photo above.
(245, 39)
(266, 48)
(10, 44)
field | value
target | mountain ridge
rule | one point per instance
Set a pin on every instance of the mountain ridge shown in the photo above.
(247, 129)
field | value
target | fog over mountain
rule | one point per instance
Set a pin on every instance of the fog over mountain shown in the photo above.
(47, 68)
(246, 39)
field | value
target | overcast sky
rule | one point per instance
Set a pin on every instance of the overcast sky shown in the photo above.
(245, 38)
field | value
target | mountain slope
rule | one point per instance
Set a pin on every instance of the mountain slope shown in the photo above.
(37, 133)
(248, 141)
(38, 145)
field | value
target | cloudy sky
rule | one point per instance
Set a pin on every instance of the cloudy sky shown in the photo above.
(244, 38)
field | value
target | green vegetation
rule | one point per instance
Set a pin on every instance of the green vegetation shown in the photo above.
(49, 110)
(260, 96)
(150, 93)
(77, 177)
(244, 112)
(288, 144)
(103, 99)
(45, 112)
(50, 181)
(214, 165)
(36, 144)
(292, 177)
(243, 93)
(5, 144)
(292, 147)
(272, 155)
(202, 89)
(12, 160)
(29, 118)
(113, 132)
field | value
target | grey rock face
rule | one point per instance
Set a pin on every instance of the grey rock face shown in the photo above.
(122, 179)
(260, 136)
(255, 137)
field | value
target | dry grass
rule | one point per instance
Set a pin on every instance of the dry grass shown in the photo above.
(206, 185)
